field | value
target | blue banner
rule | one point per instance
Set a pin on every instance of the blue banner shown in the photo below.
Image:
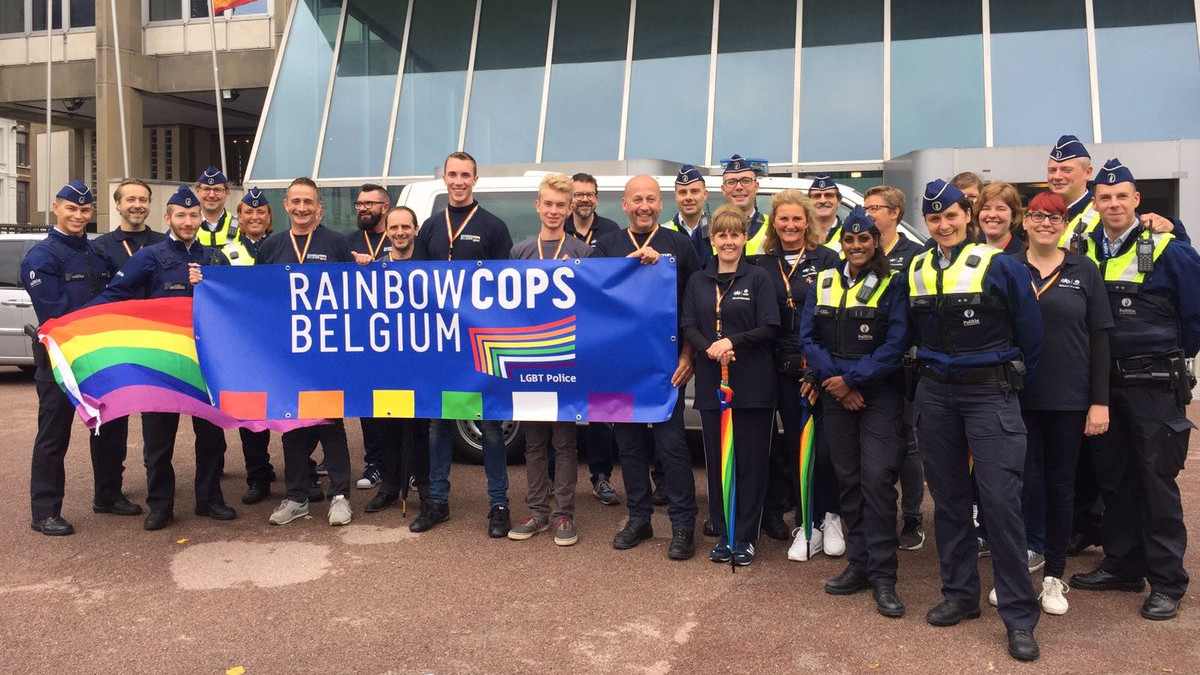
(575, 340)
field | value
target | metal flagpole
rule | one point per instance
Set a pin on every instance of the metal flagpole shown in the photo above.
(212, 26)
(120, 90)
(49, 58)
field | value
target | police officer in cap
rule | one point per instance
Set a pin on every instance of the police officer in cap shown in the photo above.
(855, 331)
(62, 273)
(167, 269)
(739, 184)
(977, 328)
(218, 227)
(826, 198)
(1151, 280)
(691, 203)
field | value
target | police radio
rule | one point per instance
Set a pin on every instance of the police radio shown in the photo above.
(868, 288)
(1145, 255)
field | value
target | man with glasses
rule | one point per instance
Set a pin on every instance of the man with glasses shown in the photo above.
(826, 197)
(370, 243)
(218, 226)
(739, 184)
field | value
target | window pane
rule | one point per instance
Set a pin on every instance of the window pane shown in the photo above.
(583, 116)
(199, 8)
(937, 76)
(83, 13)
(431, 96)
(1031, 36)
(755, 80)
(841, 96)
(1149, 70)
(361, 106)
(289, 136)
(12, 16)
(39, 15)
(166, 10)
(668, 87)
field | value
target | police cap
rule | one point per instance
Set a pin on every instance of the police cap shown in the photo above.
(1114, 172)
(1068, 147)
(184, 197)
(76, 193)
(939, 196)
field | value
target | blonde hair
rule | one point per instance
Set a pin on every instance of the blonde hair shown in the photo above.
(727, 218)
(893, 197)
(557, 182)
(792, 197)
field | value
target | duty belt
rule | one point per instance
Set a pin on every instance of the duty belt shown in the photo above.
(1146, 368)
(981, 375)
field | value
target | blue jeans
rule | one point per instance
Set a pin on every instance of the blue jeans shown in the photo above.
(495, 461)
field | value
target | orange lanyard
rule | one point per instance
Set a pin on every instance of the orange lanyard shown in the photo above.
(787, 279)
(648, 239)
(374, 250)
(720, 298)
(301, 255)
(128, 251)
(556, 251)
(451, 234)
(1049, 282)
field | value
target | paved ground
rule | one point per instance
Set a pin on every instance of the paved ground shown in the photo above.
(208, 597)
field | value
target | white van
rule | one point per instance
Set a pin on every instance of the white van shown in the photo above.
(511, 199)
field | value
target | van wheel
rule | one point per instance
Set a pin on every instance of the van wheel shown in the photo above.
(468, 441)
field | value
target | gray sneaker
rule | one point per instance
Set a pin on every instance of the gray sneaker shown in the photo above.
(1036, 561)
(287, 511)
(565, 533)
(528, 528)
(339, 510)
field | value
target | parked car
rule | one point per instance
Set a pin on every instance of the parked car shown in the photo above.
(511, 199)
(16, 310)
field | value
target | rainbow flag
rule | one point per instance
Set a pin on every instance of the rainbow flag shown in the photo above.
(806, 464)
(220, 6)
(728, 467)
(136, 356)
(497, 351)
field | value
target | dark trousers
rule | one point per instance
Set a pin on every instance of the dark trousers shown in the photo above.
(1137, 463)
(783, 482)
(599, 448)
(640, 445)
(912, 471)
(47, 475)
(867, 453)
(986, 418)
(375, 432)
(298, 446)
(1088, 518)
(258, 461)
(160, 430)
(405, 454)
(1048, 500)
(752, 432)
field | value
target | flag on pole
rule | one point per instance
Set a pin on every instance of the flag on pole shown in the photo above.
(807, 461)
(728, 470)
(220, 6)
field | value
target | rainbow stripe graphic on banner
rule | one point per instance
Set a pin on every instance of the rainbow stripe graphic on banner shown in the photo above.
(499, 350)
(135, 356)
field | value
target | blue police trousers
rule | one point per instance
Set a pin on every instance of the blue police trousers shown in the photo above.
(986, 419)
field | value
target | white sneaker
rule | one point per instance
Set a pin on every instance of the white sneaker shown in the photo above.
(1052, 596)
(835, 540)
(802, 549)
(339, 510)
(287, 511)
(992, 598)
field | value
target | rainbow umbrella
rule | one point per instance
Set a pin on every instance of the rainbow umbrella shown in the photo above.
(728, 484)
(807, 460)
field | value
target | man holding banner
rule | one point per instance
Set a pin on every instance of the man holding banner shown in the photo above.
(307, 241)
(666, 441)
(464, 231)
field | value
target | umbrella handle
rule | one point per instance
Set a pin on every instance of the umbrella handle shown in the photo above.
(725, 373)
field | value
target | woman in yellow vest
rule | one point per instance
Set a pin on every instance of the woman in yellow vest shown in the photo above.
(254, 224)
(855, 329)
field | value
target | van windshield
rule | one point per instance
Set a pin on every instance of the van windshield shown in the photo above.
(515, 207)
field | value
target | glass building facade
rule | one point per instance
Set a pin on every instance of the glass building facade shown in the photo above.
(384, 89)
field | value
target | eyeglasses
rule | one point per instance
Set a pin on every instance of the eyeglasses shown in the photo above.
(212, 188)
(362, 206)
(831, 195)
(877, 207)
(744, 181)
(584, 195)
(1038, 217)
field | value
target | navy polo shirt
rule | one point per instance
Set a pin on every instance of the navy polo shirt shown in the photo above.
(485, 237)
(601, 226)
(327, 247)
(1074, 305)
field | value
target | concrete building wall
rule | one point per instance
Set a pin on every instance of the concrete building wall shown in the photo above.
(8, 171)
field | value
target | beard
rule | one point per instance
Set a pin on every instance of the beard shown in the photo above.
(368, 221)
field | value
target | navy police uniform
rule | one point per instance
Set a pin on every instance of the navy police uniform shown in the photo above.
(855, 325)
(912, 474)
(833, 238)
(1150, 280)
(225, 229)
(161, 271)
(974, 318)
(62, 273)
(757, 226)
(740, 306)
(793, 273)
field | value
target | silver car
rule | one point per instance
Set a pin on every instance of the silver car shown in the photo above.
(16, 310)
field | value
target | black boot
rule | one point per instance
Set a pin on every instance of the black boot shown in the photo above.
(381, 501)
(950, 613)
(121, 506)
(1159, 607)
(431, 514)
(887, 602)
(850, 581)
(1022, 646)
(256, 492)
(683, 544)
(631, 535)
(1100, 579)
